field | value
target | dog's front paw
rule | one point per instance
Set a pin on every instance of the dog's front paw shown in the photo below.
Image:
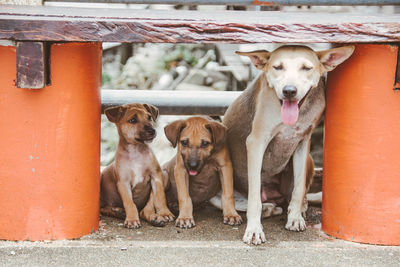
(185, 223)
(295, 222)
(233, 219)
(132, 224)
(254, 235)
(157, 220)
(168, 216)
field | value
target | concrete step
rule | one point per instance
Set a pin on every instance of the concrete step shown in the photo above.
(210, 243)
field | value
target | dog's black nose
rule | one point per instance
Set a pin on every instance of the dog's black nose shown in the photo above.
(289, 91)
(149, 130)
(193, 164)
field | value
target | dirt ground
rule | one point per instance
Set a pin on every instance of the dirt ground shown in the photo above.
(209, 226)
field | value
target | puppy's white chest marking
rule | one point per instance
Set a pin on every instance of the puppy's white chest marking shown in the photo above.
(133, 166)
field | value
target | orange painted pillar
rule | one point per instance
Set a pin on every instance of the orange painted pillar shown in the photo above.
(49, 147)
(361, 186)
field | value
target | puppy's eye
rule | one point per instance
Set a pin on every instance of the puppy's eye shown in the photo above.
(185, 143)
(205, 144)
(279, 67)
(305, 68)
(150, 119)
(133, 120)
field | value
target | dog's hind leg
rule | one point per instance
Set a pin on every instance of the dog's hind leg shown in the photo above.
(231, 216)
(148, 213)
(270, 209)
(158, 195)
(296, 221)
(116, 212)
(309, 179)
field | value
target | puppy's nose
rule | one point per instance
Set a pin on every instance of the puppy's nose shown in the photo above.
(289, 91)
(149, 130)
(193, 164)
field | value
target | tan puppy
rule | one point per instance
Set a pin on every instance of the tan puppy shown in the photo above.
(135, 176)
(269, 130)
(201, 166)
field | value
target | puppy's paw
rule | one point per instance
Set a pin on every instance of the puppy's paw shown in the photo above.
(254, 234)
(157, 220)
(185, 223)
(168, 216)
(233, 219)
(295, 222)
(132, 224)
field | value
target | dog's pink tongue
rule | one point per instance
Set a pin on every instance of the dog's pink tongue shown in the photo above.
(289, 112)
(193, 173)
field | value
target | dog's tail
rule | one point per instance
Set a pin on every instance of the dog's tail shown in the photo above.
(240, 201)
(268, 209)
(314, 198)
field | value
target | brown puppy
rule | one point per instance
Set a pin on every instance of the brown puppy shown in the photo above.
(135, 176)
(201, 166)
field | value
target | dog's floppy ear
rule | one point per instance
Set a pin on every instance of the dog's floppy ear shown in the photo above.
(259, 57)
(331, 58)
(115, 114)
(218, 132)
(173, 131)
(153, 111)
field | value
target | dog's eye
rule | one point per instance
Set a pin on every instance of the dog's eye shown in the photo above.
(205, 144)
(185, 143)
(279, 67)
(305, 68)
(133, 120)
(150, 119)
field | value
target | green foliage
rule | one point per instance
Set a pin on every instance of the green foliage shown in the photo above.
(105, 78)
(179, 53)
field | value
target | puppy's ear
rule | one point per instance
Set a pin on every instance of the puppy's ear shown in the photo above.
(173, 131)
(115, 114)
(329, 59)
(259, 57)
(218, 132)
(153, 111)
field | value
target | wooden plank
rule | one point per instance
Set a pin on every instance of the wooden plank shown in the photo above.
(181, 26)
(31, 65)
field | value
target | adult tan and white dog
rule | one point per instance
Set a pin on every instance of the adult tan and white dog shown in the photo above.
(269, 130)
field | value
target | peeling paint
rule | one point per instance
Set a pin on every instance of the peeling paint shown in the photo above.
(33, 169)
(31, 157)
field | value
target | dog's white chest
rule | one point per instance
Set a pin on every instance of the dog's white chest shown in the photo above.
(135, 166)
(137, 172)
